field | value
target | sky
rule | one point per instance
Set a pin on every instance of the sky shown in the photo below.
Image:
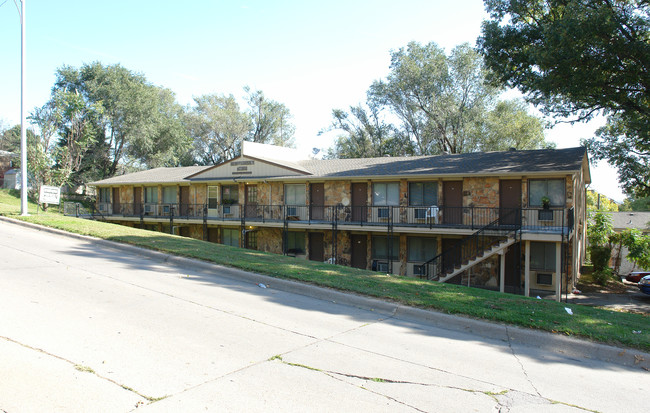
(311, 56)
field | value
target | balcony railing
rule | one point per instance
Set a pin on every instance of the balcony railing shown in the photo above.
(472, 218)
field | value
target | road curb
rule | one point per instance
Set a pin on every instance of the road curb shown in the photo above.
(553, 343)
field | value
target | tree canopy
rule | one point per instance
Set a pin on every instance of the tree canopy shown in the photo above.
(578, 58)
(218, 125)
(436, 103)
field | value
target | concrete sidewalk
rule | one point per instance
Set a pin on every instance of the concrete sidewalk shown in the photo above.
(553, 343)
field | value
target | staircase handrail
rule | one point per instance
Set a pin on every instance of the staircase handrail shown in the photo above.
(494, 225)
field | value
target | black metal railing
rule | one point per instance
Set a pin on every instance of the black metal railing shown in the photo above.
(557, 220)
(474, 246)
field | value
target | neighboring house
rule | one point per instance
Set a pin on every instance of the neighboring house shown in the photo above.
(6, 163)
(627, 220)
(474, 218)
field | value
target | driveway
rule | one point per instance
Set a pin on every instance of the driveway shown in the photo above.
(632, 300)
(91, 326)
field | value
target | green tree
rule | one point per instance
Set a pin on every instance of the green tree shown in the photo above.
(366, 135)
(578, 58)
(271, 120)
(442, 103)
(218, 126)
(599, 231)
(599, 202)
(135, 123)
(436, 96)
(510, 125)
(636, 204)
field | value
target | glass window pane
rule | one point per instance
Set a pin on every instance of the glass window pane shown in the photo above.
(537, 190)
(379, 248)
(416, 194)
(169, 194)
(392, 196)
(556, 192)
(294, 194)
(296, 242)
(213, 192)
(421, 249)
(431, 193)
(379, 194)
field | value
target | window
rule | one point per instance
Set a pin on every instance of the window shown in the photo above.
(230, 194)
(294, 194)
(295, 242)
(423, 193)
(542, 256)
(551, 188)
(169, 195)
(422, 249)
(151, 195)
(230, 236)
(104, 195)
(380, 248)
(213, 192)
(385, 193)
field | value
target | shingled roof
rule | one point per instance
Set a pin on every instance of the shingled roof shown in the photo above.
(477, 163)
(156, 175)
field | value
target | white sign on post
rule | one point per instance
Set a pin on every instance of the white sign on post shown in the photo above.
(50, 195)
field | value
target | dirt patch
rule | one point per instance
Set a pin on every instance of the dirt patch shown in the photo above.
(587, 285)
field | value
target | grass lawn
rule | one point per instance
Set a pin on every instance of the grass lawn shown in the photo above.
(587, 322)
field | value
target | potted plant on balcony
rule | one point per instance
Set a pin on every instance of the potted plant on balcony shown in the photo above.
(546, 202)
(545, 214)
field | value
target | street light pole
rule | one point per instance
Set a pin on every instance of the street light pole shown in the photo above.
(23, 132)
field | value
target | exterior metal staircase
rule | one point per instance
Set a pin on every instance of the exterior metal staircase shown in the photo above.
(471, 250)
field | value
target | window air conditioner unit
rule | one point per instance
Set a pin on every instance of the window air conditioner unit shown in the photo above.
(419, 269)
(545, 278)
(226, 209)
(420, 213)
(292, 211)
(148, 209)
(382, 266)
(382, 213)
(166, 209)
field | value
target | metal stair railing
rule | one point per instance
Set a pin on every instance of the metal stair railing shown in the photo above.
(474, 246)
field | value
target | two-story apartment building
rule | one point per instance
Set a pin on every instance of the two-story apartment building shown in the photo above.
(511, 221)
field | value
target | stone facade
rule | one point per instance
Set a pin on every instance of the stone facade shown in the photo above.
(481, 192)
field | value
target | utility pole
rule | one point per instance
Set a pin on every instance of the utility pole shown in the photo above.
(23, 132)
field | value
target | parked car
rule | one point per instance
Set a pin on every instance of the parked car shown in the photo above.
(635, 277)
(644, 285)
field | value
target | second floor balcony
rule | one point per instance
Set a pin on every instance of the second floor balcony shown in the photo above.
(554, 220)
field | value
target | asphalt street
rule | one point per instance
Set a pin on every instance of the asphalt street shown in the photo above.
(89, 326)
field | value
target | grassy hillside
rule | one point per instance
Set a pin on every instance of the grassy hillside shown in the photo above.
(587, 322)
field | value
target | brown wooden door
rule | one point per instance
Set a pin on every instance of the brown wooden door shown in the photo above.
(251, 201)
(116, 200)
(450, 257)
(185, 201)
(317, 199)
(509, 201)
(452, 192)
(316, 246)
(359, 202)
(137, 200)
(359, 251)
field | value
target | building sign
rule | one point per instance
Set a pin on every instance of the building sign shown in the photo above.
(50, 195)
(241, 167)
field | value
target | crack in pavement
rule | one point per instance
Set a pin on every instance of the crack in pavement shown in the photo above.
(523, 369)
(82, 368)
